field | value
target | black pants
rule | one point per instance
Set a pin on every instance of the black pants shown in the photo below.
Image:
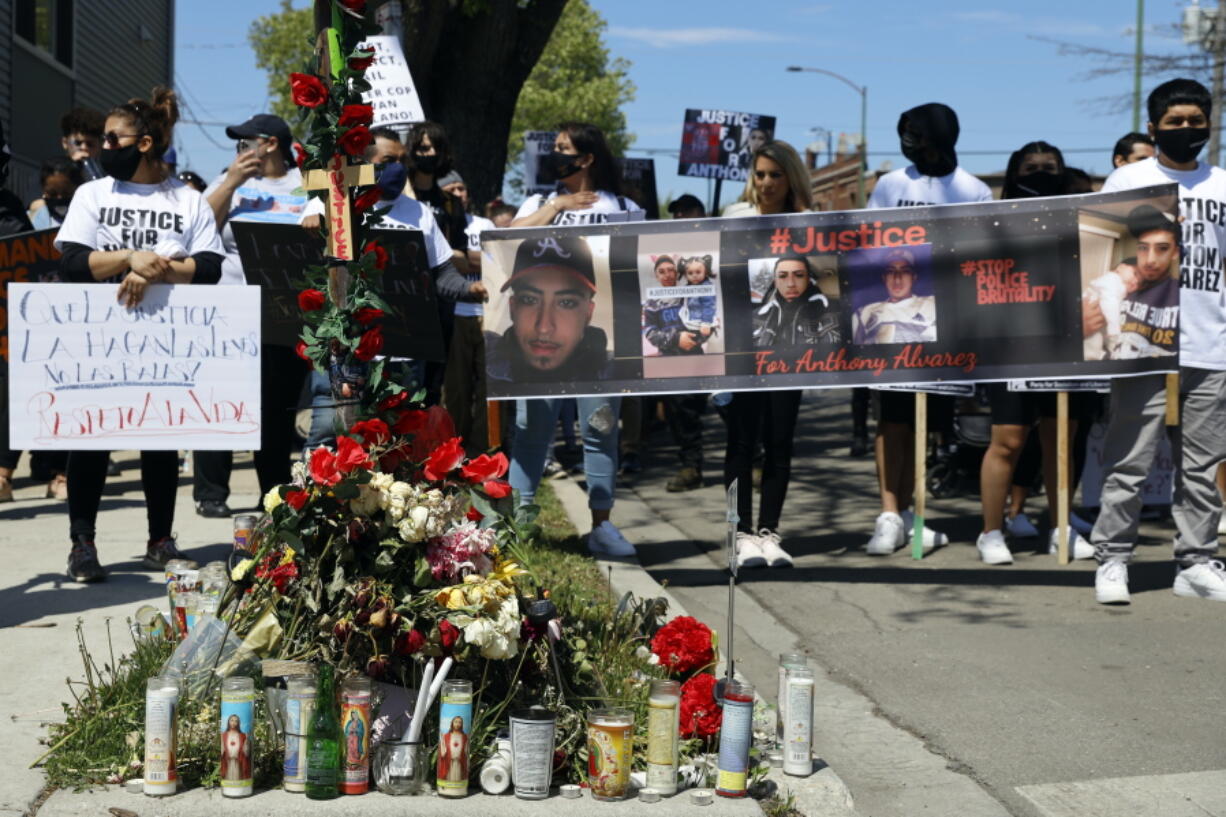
(159, 478)
(43, 464)
(684, 414)
(769, 416)
(281, 376)
(860, 399)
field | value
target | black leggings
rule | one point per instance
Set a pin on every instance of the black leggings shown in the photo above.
(769, 416)
(159, 477)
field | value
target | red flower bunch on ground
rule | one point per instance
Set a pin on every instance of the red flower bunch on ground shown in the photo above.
(443, 460)
(307, 90)
(700, 713)
(356, 115)
(683, 645)
(310, 300)
(370, 344)
(355, 140)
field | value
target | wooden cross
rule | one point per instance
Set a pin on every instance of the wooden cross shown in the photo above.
(337, 180)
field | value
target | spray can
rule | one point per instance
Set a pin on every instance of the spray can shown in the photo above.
(798, 731)
(735, 737)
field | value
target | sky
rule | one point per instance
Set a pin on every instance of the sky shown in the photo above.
(986, 60)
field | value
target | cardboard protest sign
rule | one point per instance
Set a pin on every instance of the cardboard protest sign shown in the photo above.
(718, 144)
(907, 297)
(392, 93)
(274, 257)
(25, 258)
(537, 143)
(181, 370)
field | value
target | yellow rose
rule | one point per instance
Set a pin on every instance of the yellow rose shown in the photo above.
(272, 499)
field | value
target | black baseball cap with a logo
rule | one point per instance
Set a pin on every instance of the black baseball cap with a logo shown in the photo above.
(265, 124)
(569, 254)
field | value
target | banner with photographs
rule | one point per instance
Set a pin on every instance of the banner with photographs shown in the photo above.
(719, 144)
(25, 258)
(1080, 287)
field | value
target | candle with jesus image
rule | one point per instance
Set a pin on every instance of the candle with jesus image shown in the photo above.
(237, 714)
(455, 720)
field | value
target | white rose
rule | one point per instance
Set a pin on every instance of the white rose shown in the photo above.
(479, 631)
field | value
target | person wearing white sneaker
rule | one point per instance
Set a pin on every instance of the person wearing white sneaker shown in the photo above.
(772, 551)
(606, 540)
(749, 550)
(992, 548)
(889, 534)
(1111, 583)
(1078, 548)
(1179, 117)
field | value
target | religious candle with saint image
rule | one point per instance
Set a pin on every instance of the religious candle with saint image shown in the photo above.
(355, 732)
(455, 717)
(237, 721)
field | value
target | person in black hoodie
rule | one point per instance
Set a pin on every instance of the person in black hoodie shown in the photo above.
(795, 312)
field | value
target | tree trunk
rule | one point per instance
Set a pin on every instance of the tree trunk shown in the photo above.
(469, 71)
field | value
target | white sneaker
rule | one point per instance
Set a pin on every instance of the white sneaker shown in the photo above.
(607, 540)
(932, 539)
(1078, 548)
(749, 550)
(992, 548)
(1202, 581)
(1080, 525)
(1020, 527)
(1111, 583)
(888, 535)
(768, 545)
(1221, 524)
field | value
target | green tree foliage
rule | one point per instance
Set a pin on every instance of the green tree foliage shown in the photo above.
(575, 79)
(283, 44)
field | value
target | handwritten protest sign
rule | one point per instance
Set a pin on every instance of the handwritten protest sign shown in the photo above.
(718, 144)
(392, 93)
(25, 257)
(181, 370)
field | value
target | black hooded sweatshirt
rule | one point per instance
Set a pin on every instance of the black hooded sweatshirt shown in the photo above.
(932, 126)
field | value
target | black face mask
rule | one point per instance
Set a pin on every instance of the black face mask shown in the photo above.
(1038, 184)
(57, 207)
(560, 165)
(918, 154)
(121, 163)
(1181, 145)
(425, 164)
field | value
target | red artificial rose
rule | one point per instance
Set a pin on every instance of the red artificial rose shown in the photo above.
(496, 488)
(700, 712)
(350, 455)
(307, 90)
(448, 634)
(444, 459)
(323, 467)
(379, 252)
(485, 467)
(373, 431)
(391, 460)
(300, 155)
(296, 499)
(410, 422)
(310, 300)
(392, 400)
(370, 344)
(410, 642)
(474, 515)
(355, 140)
(356, 115)
(301, 350)
(357, 6)
(368, 199)
(283, 575)
(437, 429)
(362, 62)
(367, 315)
(683, 645)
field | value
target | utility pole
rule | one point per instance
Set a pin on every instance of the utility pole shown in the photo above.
(1219, 62)
(1136, 68)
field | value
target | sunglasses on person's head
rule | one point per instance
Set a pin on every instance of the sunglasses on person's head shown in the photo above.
(111, 139)
(762, 174)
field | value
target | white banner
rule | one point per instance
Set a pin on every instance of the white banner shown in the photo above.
(392, 93)
(179, 371)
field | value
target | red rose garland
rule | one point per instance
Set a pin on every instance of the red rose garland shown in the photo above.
(683, 645)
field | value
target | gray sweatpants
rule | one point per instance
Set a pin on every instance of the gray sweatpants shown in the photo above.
(1198, 444)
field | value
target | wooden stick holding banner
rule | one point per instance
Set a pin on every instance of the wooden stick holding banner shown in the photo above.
(921, 473)
(1172, 399)
(1062, 477)
(493, 422)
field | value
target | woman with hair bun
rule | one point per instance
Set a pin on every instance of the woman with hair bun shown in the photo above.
(137, 226)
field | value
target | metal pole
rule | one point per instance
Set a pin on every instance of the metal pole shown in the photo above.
(1136, 68)
(1218, 41)
(863, 201)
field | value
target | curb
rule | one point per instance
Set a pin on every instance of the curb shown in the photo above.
(823, 792)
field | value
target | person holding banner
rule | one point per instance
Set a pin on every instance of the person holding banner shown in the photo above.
(1179, 122)
(1035, 170)
(553, 284)
(791, 313)
(137, 227)
(928, 135)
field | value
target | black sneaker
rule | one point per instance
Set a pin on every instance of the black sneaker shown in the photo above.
(83, 563)
(158, 553)
(859, 445)
(687, 479)
(213, 509)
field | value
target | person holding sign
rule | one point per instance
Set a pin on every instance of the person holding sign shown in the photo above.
(1179, 122)
(137, 226)
(928, 135)
(262, 184)
(791, 313)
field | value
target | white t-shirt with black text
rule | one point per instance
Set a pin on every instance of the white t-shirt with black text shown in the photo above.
(608, 207)
(476, 225)
(907, 187)
(261, 199)
(1202, 298)
(107, 214)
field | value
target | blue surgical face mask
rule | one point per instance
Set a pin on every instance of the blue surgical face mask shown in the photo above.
(391, 178)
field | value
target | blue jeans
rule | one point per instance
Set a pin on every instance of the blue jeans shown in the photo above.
(323, 415)
(535, 421)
